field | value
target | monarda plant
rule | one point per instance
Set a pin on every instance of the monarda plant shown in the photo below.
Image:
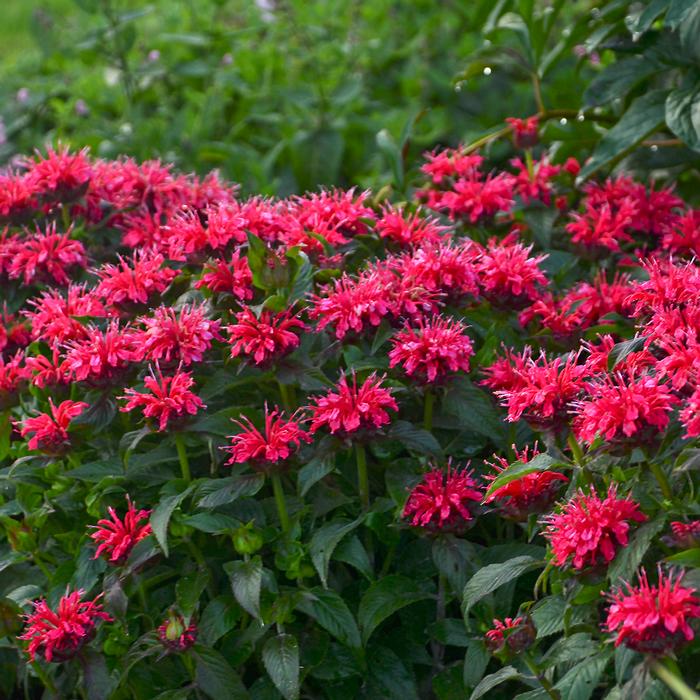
(337, 447)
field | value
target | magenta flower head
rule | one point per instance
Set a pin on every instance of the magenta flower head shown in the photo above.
(49, 431)
(116, 537)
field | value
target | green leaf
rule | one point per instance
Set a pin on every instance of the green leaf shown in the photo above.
(620, 351)
(474, 410)
(325, 540)
(330, 612)
(683, 114)
(384, 598)
(96, 471)
(650, 13)
(160, 517)
(246, 581)
(390, 149)
(517, 470)
(388, 678)
(189, 589)
(414, 438)
(643, 117)
(303, 279)
(507, 673)
(568, 649)
(96, 678)
(688, 557)
(689, 32)
(219, 618)
(493, 576)
(630, 557)
(475, 662)
(617, 79)
(219, 492)
(281, 658)
(312, 472)
(215, 677)
(454, 558)
(351, 551)
(580, 682)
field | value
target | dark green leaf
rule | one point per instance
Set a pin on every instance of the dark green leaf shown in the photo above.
(507, 673)
(517, 470)
(325, 540)
(246, 581)
(414, 438)
(580, 682)
(312, 472)
(160, 517)
(683, 114)
(388, 677)
(331, 613)
(281, 658)
(215, 677)
(189, 589)
(617, 79)
(219, 492)
(98, 682)
(629, 558)
(475, 662)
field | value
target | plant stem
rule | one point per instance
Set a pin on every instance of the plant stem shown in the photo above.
(661, 477)
(44, 678)
(576, 451)
(530, 164)
(544, 682)
(428, 403)
(673, 681)
(279, 500)
(284, 393)
(437, 648)
(362, 476)
(182, 455)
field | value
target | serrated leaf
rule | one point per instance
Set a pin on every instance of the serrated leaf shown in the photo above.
(188, 590)
(617, 79)
(246, 582)
(331, 612)
(475, 662)
(281, 658)
(219, 492)
(96, 677)
(388, 677)
(580, 682)
(683, 114)
(312, 472)
(630, 557)
(325, 540)
(569, 649)
(219, 618)
(507, 673)
(493, 576)
(215, 677)
(351, 551)
(384, 598)
(160, 517)
(517, 470)
(414, 438)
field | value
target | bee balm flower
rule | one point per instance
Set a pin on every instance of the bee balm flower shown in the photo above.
(117, 537)
(49, 431)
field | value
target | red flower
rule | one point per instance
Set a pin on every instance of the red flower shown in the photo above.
(408, 229)
(450, 163)
(46, 371)
(12, 374)
(46, 257)
(50, 430)
(233, 277)
(518, 634)
(684, 535)
(279, 439)
(538, 184)
(59, 635)
(653, 619)
(618, 408)
(17, 195)
(169, 400)
(185, 234)
(684, 235)
(440, 502)
(475, 198)
(438, 347)
(532, 493)
(507, 273)
(102, 356)
(14, 334)
(176, 635)
(587, 531)
(60, 171)
(525, 131)
(225, 223)
(351, 409)
(134, 281)
(176, 337)
(603, 227)
(690, 415)
(117, 537)
(265, 339)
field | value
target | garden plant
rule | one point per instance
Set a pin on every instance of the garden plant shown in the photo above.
(433, 440)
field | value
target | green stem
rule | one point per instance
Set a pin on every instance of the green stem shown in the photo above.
(437, 648)
(544, 682)
(286, 399)
(576, 451)
(281, 503)
(530, 164)
(44, 678)
(428, 403)
(362, 476)
(182, 455)
(658, 472)
(42, 566)
(673, 681)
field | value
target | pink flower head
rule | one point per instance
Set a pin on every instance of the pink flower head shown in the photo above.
(507, 273)
(225, 223)
(176, 635)
(690, 414)
(539, 390)
(450, 163)
(100, 357)
(45, 371)
(46, 257)
(683, 237)
(429, 353)
(167, 400)
(475, 198)
(277, 442)
(176, 337)
(233, 277)
(134, 281)
(517, 634)
(18, 195)
(116, 537)
(185, 234)
(653, 619)
(525, 131)
(351, 409)
(684, 535)
(60, 172)
(587, 531)
(535, 185)
(408, 229)
(440, 502)
(12, 374)
(59, 635)
(618, 407)
(49, 431)
(603, 227)
(265, 339)
(532, 493)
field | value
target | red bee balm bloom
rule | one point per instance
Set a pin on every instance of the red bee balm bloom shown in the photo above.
(175, 635)
(588, 530)
(278, 441)
(440, 502)
(653, 619)
(351, 409)
(177, 337)
(50, 431)
(524, 131)
(264, 339)
(532, 493)
(169, 399)
(232, 277)
(518, 634)
(685, 535)
(116, 537)
(59, 635)
(437, 348)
